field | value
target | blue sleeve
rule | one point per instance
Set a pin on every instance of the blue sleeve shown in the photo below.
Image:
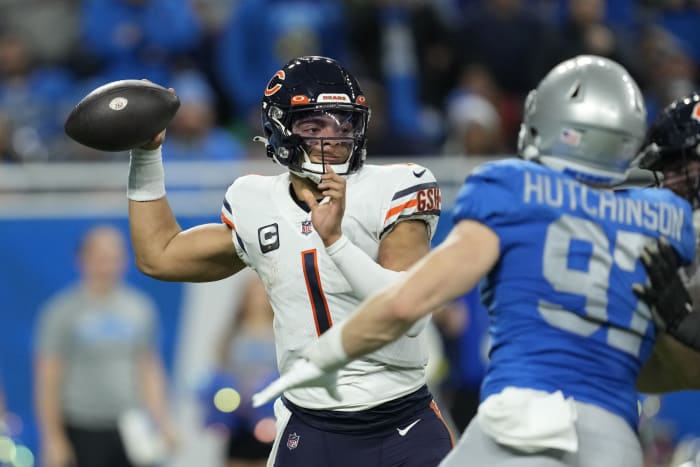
(489, 196)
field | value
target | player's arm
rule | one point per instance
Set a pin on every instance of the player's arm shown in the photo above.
(48, 374)
(447, 272)
(672, 366)
(162, 249)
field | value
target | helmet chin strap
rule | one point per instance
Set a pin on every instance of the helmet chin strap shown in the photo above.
(313, 170)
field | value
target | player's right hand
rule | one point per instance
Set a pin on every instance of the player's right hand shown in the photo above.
(327, 215)
(155, 142)
(158, 139)
(302, 374)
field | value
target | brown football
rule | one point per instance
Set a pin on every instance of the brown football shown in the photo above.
(121, 115)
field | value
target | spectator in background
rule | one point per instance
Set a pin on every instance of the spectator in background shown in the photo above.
(406, 47)
(193, 134)
(33, 97)
(247, 361)
(668, 70)
(3, 428)
(464, 330)
(261, 36)
(49, 26)
(584, 31)
(474, 126)
(7, 150)
(387, 141)
(138, 38)
(510, 41)
(681, 18)
(96, 358)
(515, 47)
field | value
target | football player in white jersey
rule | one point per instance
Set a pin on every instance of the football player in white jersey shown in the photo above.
(672, 151)
(322, 237)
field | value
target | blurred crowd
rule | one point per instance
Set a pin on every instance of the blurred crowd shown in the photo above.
(444, 76)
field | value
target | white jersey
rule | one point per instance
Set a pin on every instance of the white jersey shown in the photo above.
(273, 234)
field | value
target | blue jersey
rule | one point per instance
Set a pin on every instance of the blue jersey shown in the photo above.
(562, 314)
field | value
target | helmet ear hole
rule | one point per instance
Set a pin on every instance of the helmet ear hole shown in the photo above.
(576, 92)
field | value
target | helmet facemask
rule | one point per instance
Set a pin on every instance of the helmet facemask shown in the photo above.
(682, 176)
(328, 136)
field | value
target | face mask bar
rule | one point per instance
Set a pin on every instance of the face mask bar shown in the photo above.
(689, 179)
(329, 135)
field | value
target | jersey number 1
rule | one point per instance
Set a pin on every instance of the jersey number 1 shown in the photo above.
(319, 305)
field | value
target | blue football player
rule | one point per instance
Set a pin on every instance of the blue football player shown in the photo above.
(558, 252)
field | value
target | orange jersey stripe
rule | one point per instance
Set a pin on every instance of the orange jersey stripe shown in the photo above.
(225, 220)
(401, 207)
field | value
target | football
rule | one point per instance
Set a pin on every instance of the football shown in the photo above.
(121, 115)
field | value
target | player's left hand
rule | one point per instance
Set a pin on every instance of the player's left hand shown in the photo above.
(302, 374)
(666, 295)
(327, 215)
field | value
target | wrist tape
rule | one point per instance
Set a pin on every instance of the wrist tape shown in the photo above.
(328, 354)
(146, 175)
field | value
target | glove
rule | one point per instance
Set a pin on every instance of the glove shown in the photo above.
(302, 374)
(667, 297)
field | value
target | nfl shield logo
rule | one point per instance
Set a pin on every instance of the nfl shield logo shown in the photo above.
(293, 441)
(306, 227)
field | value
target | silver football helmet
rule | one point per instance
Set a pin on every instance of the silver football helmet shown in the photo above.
(586, 118)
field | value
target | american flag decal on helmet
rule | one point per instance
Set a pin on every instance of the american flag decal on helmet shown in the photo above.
(570, 137)
(293, 441)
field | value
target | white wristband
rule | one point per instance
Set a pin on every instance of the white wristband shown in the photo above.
(328, 353)
(146, 175)
(366, 276)
(339, 244)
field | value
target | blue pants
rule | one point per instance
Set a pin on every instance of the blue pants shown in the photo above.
(416, 438)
